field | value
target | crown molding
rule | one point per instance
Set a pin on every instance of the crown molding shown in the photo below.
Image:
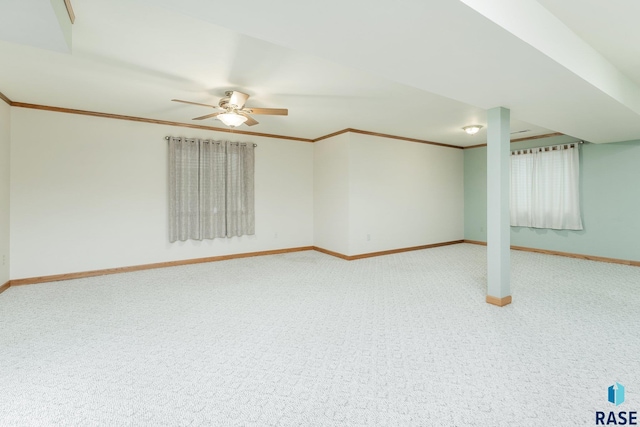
(546, 135)
(153, 121)
(385, 135)
(331, 135)
(72, 16)
(243, 132)
(5, 99)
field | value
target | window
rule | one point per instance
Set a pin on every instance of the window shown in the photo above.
(545, 187)
(211, 189)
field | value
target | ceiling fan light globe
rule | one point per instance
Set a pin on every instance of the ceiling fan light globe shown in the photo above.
(231, 119)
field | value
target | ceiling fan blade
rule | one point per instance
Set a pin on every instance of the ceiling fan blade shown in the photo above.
(194, 103)
(250, 120)
(207, 116)
(237, 98)
(268, 111)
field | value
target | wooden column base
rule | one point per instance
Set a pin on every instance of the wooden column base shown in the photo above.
(500, 302)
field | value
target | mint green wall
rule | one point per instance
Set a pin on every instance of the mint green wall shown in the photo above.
(609, 197)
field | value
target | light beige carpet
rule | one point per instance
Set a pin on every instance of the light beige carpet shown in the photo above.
(305, 339)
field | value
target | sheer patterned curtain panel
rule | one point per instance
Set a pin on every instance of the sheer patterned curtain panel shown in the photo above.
(545, 187)
(240, 189)
(211, 189)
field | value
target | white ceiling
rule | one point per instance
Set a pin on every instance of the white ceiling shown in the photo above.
(413, 68)
(34, 23)
(610, 27)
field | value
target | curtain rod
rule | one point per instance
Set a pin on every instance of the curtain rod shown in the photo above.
(552, 145)
(167, 138)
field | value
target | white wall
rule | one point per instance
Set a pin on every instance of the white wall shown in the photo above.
(331, 193)
(5, 137)
(89, 193)
(403, 194)
(374, 194)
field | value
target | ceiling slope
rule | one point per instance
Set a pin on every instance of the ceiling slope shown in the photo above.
(131, 58)
(447, 48)
(610, 27)
(41, 23)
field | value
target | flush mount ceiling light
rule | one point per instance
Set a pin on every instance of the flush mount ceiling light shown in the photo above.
(231, 119)
(472, 129)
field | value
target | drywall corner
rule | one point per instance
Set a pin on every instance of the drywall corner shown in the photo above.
(5, 175)
(331, 193)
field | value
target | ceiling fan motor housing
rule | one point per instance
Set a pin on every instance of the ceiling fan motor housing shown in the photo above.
(224, 104)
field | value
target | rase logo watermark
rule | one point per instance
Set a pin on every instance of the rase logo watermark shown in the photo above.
(615, 395)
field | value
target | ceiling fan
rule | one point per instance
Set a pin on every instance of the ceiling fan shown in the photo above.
(234, 112)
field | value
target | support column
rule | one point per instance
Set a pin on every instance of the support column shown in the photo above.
(498, 221)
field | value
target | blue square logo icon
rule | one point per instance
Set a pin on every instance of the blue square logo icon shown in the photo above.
(616, 394)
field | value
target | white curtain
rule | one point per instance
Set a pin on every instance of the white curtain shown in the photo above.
(211, 189)
(545, 187)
